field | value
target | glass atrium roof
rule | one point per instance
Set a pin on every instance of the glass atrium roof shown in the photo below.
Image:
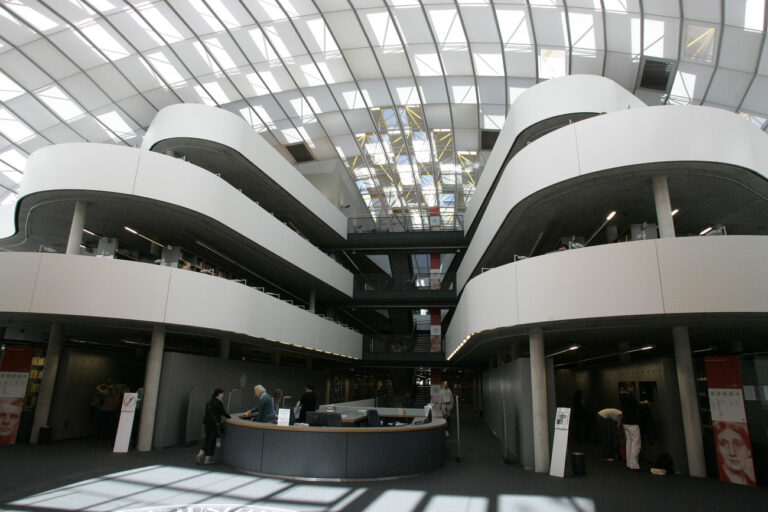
(397, 91)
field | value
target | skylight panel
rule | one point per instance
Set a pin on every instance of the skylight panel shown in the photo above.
(202, 95)
(488, 60)
(654, 38)
(220, 54)
(12, 128)
(582, 30)
(250, 117)
(311, 74)
(106, 42)
(463, 93)
(33, 16)
(291, 135)
(513, 24)
(100, 5)
(258, 85)
(446, 24)
(318, 37)
(699, 43)
(60, 103)
(163, 66)
(262, 45)
(405, 171)
(300, 107)
(160, 23)
(270, 10)
(616, 5)
(382, 29)
(8, 88)
(117, 123)
(14, 157)
(9, 199)
(207, 16)
(427, 61)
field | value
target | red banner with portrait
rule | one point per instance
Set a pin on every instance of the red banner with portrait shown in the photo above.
(729, 421)
(15, 366)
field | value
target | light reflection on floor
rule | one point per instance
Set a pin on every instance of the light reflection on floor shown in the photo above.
(168, 488)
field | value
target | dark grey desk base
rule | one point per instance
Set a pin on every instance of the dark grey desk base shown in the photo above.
(333, 453)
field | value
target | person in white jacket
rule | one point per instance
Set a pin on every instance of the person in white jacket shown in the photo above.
(446, 406)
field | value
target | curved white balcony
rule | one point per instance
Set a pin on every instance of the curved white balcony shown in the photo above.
(215, 125)
(83, 288)
(636, 142)
(108, 173)
(650, 278)
(572, 94)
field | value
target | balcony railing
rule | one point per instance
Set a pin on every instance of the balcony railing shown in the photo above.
(405, 284)
(417, 343)
(402, 224)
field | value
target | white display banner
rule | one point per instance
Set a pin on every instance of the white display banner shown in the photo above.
(125, 427)
(560, 443)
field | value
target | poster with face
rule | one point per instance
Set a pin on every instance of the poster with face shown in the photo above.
(729, 421)
(10, 414)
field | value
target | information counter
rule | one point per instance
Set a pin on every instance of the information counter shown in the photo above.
(333, 452)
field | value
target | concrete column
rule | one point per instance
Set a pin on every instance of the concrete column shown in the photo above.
(663, 207)
(224, 349)
(45, 396)
(76, 228)
(514, 351)
(686, 381)
(539, 397)
(151, 388)
(311, 301)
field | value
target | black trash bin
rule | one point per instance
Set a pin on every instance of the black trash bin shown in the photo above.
(44, 436)
(578, 463)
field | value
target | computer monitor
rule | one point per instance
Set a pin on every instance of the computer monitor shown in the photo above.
(317, 419)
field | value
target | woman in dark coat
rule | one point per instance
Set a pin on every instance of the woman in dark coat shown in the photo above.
(214, 410)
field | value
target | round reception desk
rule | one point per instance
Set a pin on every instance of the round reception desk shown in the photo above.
(333, 452)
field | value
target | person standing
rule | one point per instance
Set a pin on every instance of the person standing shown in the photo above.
(308, 403)
(609, 420)
(446, 406)
(631, 420)
(265, 406)
(214, 410)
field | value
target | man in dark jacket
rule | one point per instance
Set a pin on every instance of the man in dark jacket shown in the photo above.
(265, 406)
(308, 403)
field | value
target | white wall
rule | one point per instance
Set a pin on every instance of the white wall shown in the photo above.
(620, 139)
(223, 127)
(548, 99)
(725, 274)
(129, 171)
(103, 288)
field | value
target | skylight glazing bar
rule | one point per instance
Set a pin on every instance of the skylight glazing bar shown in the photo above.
(717, 56)
(605, 37)
(369, 164)
(170, 48)
(395, 108)
(680, 47)
(21, 120)
(503, 58)
(138, 53)
(368, 109)
(439, 54)
(759, 59)
(422, 103)
(533, 36)
(642, 48)
(568, 34)
(477, 103)
(104, 56)
(59, 84)
(38, 100)
(210, 54)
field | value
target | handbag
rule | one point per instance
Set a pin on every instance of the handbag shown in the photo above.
(220, 425)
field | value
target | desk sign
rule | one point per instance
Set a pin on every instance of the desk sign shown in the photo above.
(560, 443)
(284, 417)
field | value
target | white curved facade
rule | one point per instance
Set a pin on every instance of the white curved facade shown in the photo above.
(109, 290)
(621, 139)
(144, 174)
(188, 120)
(567, 95)
(692, 275)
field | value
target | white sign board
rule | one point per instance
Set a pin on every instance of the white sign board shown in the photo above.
(560, 443)
(125, 427)
(284, 417)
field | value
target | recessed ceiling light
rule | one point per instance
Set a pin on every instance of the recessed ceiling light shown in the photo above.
(675, 211)
(611, 215)
(706, 231)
